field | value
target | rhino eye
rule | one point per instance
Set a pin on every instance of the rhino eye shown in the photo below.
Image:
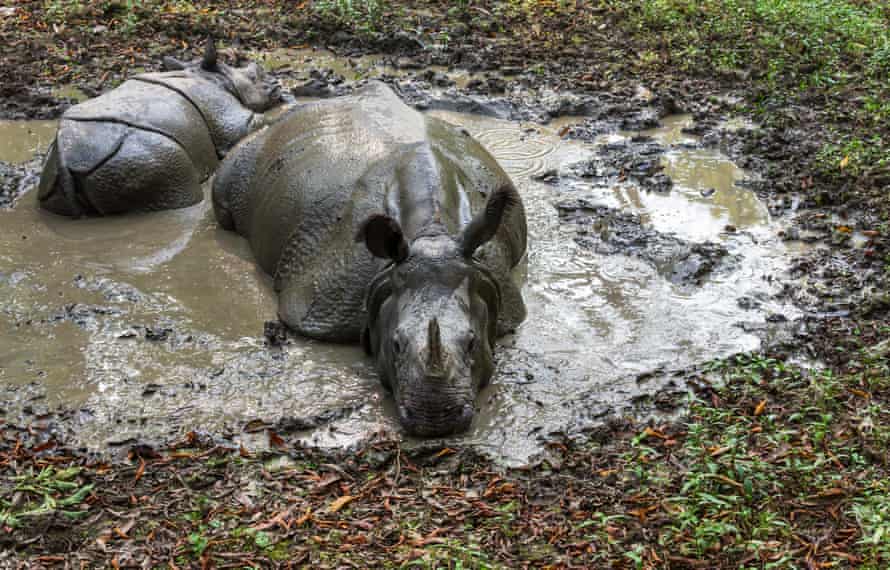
(396, 346)
(471, 343)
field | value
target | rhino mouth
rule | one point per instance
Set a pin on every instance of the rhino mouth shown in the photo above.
(436, 420)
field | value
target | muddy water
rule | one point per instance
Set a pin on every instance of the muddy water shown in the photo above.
(152, 324)
(705, 198)
(19, 140)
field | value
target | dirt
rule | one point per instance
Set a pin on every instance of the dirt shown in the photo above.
(150, 502)
(610, 232)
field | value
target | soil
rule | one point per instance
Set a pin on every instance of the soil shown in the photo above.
(205, 502)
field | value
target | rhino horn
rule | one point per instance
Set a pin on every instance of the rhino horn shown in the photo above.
(485, 225)
(434, 341)
(208, 62)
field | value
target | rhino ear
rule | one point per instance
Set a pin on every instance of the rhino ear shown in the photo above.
(208, 62)
(383, 237)
(170, 63)
(485, 225)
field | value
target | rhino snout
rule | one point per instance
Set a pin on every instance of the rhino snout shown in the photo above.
(435, 420)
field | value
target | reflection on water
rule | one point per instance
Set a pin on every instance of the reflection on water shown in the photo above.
(705, 198)
(154, 322)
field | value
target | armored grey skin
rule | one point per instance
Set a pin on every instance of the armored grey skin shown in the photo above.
(381, 224)
(148, 144)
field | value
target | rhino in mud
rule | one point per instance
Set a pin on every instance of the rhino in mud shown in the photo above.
(385, 226)
(150, 143)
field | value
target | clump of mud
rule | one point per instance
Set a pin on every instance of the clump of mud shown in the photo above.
(637, 159)
(609, 231)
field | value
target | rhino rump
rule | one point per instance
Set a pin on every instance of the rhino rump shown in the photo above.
(139, 147)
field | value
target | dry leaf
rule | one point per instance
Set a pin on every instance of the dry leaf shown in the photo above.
(339, 503)
(276, 440)
(760, 407)
(140, 470)
(654, 433)
(445, 451)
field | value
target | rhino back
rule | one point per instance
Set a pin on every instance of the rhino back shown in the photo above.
(227, 120)
(321, 168)
(152, 108)
(320, 171)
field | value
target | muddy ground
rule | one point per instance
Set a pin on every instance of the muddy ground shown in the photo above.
(773, 463)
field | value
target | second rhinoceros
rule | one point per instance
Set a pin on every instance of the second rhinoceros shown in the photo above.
(151, 142)
(382, 224)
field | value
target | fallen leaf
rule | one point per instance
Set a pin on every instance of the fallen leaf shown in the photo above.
(445, 451)
(715, 451)
(845, 161)
(760, 407)
(276, 440)
(654, 433)
(306, 516)
(729, 481)
(44, 446)
(339, 503)
(140, 470)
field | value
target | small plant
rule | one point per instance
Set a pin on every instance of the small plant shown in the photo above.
(56, 489)
(364, 16)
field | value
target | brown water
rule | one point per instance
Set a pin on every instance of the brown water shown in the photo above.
(594, 323)
(19, 140)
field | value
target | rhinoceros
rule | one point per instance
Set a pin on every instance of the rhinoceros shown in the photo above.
(384, 226)
(151, 142)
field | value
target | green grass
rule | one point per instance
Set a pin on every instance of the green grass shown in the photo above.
(47, 492)
(360, 16)
(791, 48)
(780, 446)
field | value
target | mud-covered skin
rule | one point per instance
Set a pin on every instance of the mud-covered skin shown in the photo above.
(431, 288)
(148, 144)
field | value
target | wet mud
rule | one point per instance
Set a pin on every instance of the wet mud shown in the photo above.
(157, 324)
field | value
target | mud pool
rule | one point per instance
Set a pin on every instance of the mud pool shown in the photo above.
(152, 325)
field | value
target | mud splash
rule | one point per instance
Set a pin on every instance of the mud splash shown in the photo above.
(153, 324)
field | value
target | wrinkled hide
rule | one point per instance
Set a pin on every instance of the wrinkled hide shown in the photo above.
(381, 224)
(149, 143)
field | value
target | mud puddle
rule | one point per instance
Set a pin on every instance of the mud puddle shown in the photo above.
(152, 325)
(20, 140)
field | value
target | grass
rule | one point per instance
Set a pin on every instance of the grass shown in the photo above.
(359, 16)
(836, 50)
(761, 467)
(47, 492)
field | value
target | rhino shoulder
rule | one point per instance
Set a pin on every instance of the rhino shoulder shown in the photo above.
(227, 119)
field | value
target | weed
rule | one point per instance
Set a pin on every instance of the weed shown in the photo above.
(362, 16)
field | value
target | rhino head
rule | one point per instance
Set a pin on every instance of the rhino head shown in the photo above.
(432, 317)
(249, 84)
